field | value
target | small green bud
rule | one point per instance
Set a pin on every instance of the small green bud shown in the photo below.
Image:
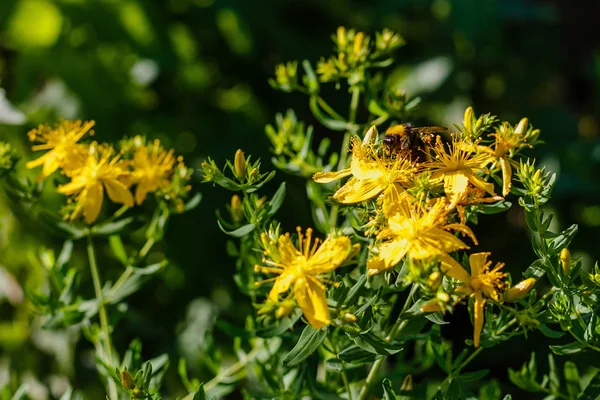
(407, 384)
(371, 136)
(349, 317)
(127, 380)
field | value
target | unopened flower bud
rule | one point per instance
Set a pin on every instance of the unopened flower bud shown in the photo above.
(371, 136)
(468, 120)
(254, 173)
(522, 127)
(519, 290)
(127, 380)
(239, 164)
(434, 280)
(565, 260)
(358, 43)
(237, 212)
(349, 317)
(407, 384)
(341, 37)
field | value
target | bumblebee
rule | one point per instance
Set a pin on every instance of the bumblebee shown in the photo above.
(406, 140)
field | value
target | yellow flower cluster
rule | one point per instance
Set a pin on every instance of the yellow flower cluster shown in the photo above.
(95, 168)
(419, 198)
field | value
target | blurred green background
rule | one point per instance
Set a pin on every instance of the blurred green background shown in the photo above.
(194, 74)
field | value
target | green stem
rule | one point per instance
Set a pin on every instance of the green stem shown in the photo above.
(397, 327)
(333, 215)
(102, 314)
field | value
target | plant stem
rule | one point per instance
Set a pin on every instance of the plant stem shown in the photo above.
(102, 314)
(333, 215)
(397, 327)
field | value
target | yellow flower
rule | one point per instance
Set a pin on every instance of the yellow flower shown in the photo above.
(61, 143)
(99, 171)
(299, 269)
(371, 175)
(152, 169)
(519, 291)
(420, 234)
(482, 283)
(458, 167)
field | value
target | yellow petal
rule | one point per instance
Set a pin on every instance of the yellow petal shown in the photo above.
(282, 285)
(287, 251)
(478, 316)
(481, 184)
(310, 296)
(455, 185)
(375, 265)
(92, 202)
(453, 269)
(435, 242)
(118, 192)
(371, 170)
(393, 252)
(72, 187)
(326, 177)
(330, 255)
(477, 261)
(506, 176)
(464, 229)
(356, 190)
(392, 199)
(141, 191)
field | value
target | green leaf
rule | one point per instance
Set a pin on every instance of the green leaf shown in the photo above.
(240, 232)
(309, 342)
(567, 349)
(277, 200)
(592, 390)
(373, 344)
(563, 239)
(572, 379)
(200, 394)
(536, 270)
(474, 376)
(193, 202)
(116, 244)
(355, 355)
(111, 227)
(452, 391)
(495, 208)
(551, 333)
(553, 374)
(388, 390)
(436, 318)
(65, 255)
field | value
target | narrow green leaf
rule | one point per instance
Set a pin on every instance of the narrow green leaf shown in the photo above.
(112, 227)
(116, 244)
(277, 200)
(567, 349)
(192, 203)
(309, 342)
(373, 344)
(562, 240)
(240, 232)
(357, 356)
(592, 390)
(65, 255)
(495, 208)
(551, 333)
(572, 379)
